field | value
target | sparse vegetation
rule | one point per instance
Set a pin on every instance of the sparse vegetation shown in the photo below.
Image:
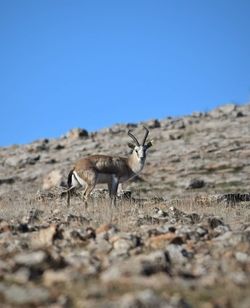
(180, 240)
(134, 229)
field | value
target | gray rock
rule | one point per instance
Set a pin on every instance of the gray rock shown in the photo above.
(214, 222)
(146, 298)
(228, 109)
(242, 257)
(31, 259)
(201, 231)
(146, 265)
(177, 254)
(77, 133)
(18, 295)
(21, 161)
(9, 180)
(153, 124)
(195, 184)
(100, 246)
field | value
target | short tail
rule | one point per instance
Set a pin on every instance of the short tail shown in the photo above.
(69, 182)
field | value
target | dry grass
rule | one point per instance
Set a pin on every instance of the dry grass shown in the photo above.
(15, 206)
(91, 291)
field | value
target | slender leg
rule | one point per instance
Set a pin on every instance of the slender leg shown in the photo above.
(87, 193)
(92, 178)
(68, 197)
(73, 183)
(69, 191)
(113, 189)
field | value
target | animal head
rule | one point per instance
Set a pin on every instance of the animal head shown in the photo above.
(140, 149)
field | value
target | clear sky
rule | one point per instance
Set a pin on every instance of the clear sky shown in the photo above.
(94, 63)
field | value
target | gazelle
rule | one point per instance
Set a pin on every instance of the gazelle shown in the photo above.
(112, 170)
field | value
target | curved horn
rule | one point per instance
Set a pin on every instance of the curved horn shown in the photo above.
(146, 135)
(133, 137)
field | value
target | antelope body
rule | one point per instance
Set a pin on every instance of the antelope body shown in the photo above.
(112, 170)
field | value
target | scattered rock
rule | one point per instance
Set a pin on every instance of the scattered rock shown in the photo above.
(123, 242)
(51, 277)
(21, 161)
(9, 180)
(43, 237)
(24, 296)
(146, 298)
(195, 184)
(146, 265)
(177, 253)
(160, 241)
(228, 109)
(153, 124)
(4, 226)
(214, 222)
(77, 133)
(201, 231)
(164, 236)
(31, 259)
(175, 135)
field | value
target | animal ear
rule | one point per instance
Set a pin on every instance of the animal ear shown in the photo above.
(131, 145)
(149, 144)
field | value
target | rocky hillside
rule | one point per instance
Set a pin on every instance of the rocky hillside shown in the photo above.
(176, 243)
(200, 152)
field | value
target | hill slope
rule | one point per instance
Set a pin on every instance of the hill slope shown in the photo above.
(174, 244)
(206, 151)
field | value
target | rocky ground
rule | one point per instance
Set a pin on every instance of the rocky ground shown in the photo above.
(181, 240)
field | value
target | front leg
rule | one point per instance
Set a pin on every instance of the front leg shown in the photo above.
(113, 186)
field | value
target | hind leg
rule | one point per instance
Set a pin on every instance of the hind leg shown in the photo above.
(73, 183)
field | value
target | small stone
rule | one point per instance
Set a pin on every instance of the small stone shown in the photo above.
(160, 241)
(8, 180)
(4, 226)
(31, 259)
(228, 108)
(26, 296)
(21, 161)
(146, 298)
(22, 275)
(239, 278)
(145, 265)
(195, 184)
(77, 133)
(223, 110)
(201, 231)
(175, 135)
(43, 237)
(51, 277)
(242, 257)
(100, 246)
(214, 222)
(154, 124)
(123, 242)
(176, 253)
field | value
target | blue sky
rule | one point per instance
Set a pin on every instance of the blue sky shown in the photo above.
(91, 64)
